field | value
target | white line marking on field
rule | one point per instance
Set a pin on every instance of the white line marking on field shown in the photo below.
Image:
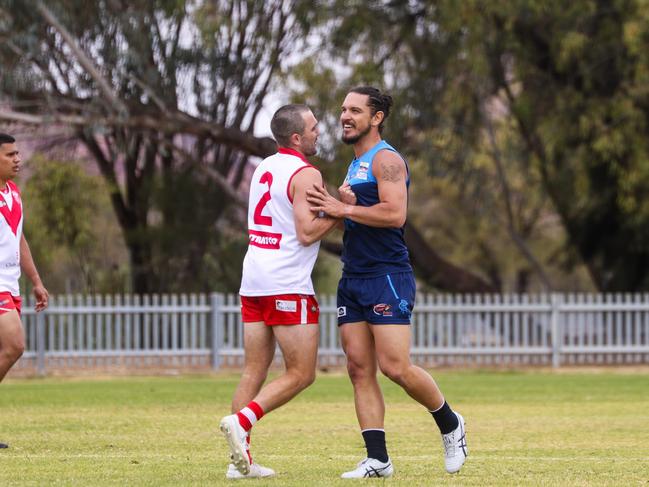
(140, 456)
(482, 458)
(134, 456)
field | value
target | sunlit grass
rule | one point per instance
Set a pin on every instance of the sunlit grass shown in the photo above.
(524, 428)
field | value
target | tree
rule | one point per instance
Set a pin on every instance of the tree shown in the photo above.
(575, 80)
(70, 228)
(164, 95)
(525, 113)
(528, 121)
(397, 45)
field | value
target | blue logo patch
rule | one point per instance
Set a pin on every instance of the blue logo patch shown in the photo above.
(404, 308)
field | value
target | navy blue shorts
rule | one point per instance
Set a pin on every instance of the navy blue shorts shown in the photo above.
(384, 300)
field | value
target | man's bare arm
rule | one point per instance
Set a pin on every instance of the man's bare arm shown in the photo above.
(29, 268)
(309, 226)
(390, 172)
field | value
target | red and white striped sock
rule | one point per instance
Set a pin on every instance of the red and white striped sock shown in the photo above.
(250, 415)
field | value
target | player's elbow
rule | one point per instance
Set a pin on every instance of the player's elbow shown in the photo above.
(306, 239)
(393, 215)
(397, 219)
(400, 221)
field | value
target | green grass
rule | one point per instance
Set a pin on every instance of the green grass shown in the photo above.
(524, 428)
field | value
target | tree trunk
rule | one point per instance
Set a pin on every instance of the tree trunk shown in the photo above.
(431, 267)
(438, 272)
(143, 276)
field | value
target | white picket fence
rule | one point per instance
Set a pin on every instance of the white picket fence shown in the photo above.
(199, 330)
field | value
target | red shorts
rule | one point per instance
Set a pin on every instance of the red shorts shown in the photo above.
(8, 302)
(281, 309)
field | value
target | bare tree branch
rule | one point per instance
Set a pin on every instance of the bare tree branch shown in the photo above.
(506, 194)
(213, 175)
(83, 59)
(174, 123)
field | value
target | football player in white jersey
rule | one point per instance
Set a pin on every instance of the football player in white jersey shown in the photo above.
(278, 304)
(14, 255)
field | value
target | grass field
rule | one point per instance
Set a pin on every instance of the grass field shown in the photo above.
(523, 428)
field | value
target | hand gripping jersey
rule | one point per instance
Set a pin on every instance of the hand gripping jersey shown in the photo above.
(276, 262)
(371, 251)
(11, 227)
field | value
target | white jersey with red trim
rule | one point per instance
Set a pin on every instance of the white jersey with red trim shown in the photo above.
(11, 228)
(276, 262)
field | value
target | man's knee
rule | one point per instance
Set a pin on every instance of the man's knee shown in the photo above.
(308, 379)
(12, 338)
(359, 370)
(302, 378)
(255, 374)
(395, 371)
(13, 349)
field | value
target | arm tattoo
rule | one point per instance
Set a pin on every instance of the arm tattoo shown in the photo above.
(390, 172)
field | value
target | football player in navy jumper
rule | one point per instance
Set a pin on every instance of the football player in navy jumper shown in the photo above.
(377, 290)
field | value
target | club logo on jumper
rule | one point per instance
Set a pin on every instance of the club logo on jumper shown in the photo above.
(382, 309)
(265, 240)
(404, 307)
(342, 311)
(288, 306)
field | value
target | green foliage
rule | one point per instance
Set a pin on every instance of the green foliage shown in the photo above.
(141, 76)
(581, 71)
(69, 225)
(532, 120)
(526, 122)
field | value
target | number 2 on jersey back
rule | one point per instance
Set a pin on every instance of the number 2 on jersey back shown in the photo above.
(258, 218)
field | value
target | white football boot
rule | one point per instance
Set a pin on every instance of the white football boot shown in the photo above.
(370, 467)
(236, 438)
(256, 471)
(455, 448)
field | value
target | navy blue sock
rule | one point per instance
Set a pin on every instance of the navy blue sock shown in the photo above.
(375, 444)
(445, 418)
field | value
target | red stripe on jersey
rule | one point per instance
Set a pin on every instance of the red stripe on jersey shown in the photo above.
(292, 152)
(14, 215)
(288, 186)
(264, 240)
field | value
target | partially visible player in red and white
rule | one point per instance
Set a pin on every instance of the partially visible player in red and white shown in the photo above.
(278, 304)
(14, 254)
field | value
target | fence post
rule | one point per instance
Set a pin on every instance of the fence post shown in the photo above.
(40, 343)
(555, 330)
(216, 304)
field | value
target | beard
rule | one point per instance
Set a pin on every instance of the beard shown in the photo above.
(350, 140)
(310, 150)
(308, 147)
